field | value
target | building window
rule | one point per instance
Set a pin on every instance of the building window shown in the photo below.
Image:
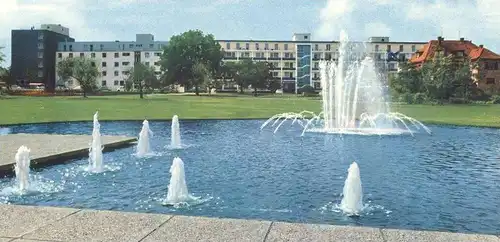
(146, 63)
(82, 55)
(103, 64)
(490, 81)
(146, 54)
(328, 56)
(101, 46)
(376, 48)
(70, 55)
(157, 53)
(116, 73)
(92, 64)
(117, 64)
(151, 45)
(125, 73)
(40, 54)
(40, 35)
(40, 73)
(126, 54)
(117, 55)
(247, 46)
(70, 47)
(125, 63)
(228, 46)
(328, 47)
(157, 63)
(122, 83)
(103, 83)
(115, 83)
(64, 47)
(104, 73)
(59, 55)
(104, 55)
(287, 55)
(401, 48)
(316, 47)
(92, 48)
(286, 46)
(238, 46)
(495, 66)
(256, 46)
(266, 46)
(92, 55)
(388, 48)
(276, 47)
(413, 48)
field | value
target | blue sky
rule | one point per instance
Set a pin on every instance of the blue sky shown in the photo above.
(478, 20)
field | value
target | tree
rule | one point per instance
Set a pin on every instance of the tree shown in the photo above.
(261, 78)
(141, 76)
(6, 76)
(184, 51)
(83, 70)
(2, 56)
(407, 80)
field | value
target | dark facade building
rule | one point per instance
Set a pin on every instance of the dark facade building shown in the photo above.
(33, 55)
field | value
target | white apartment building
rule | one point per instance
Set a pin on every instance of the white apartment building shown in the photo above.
(295, 61)
(114, 59)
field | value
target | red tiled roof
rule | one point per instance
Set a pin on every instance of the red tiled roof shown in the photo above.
(473, 51)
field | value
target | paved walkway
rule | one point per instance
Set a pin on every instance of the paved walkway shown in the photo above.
(48, 148)
(28, 223)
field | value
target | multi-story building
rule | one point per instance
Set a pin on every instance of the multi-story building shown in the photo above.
(295, 62)
(114, 59)
(485, 63)
(33, 54)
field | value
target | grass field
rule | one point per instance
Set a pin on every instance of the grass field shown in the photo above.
(130, 107)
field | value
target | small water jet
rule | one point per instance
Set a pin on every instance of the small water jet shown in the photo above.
(177, 189)
(352, 200)
(175, 137)
(143, 146)
(95, 150)
(22, 168)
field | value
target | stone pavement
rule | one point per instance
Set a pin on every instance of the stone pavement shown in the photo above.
(31, 223)
(48, 148)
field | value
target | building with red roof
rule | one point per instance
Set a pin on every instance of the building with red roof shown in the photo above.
(486, 63)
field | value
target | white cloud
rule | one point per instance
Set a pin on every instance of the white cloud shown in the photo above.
(69, 13)
(332, 18)
(377, 29)
(478, 19)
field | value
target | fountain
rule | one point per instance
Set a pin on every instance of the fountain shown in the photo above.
(143, 147)
(354, 100)
(175, 140)
(95, 150)
(177, 189)
(22, 168)
(352, 200)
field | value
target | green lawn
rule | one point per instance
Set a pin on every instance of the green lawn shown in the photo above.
(130, 107)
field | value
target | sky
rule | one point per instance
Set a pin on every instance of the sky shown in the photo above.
(401, 20)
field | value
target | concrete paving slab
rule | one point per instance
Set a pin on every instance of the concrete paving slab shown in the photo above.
(48, 148)
(393, 235)
(313, 232)
(5, 239)
(183, 228)
(30, 240)
(91, 225)
(18, 220)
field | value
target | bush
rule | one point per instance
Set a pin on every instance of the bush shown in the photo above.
(495, 99)
(419, 98)
(307, 90)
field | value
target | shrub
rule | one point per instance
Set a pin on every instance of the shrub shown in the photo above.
(419, 98)
(307, 90)
(495, 99)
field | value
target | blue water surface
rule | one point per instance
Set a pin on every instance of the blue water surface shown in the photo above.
(449, 180)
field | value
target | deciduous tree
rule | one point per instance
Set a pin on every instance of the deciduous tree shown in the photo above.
(142, 76)
(80, 69)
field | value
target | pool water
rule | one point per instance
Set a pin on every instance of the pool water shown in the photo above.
(449, 180)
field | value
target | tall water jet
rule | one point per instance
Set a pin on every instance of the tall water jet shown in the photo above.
(355, 98)
(22, 168)
(352, 200)
(95, 150)
(177, 189)
(175, 139)
(143, 147)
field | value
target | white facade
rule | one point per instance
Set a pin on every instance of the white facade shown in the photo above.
(114, 67)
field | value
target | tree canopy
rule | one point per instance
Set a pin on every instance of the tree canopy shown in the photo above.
(186, 50)
(81, 69)
(142, 76)
(2, 56)
(440, 78)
